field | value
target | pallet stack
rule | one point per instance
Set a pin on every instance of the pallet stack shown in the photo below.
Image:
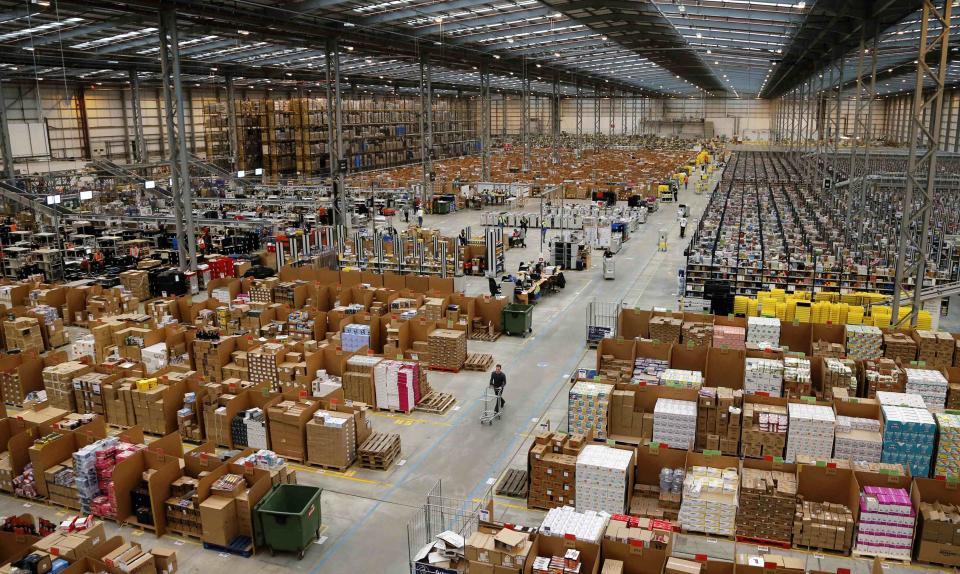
(764, 430)
(58, 381)
(588, 407)
(448, 349)
(899, 346)
(858, 439)
(697, 334)
(552, 461)
(23, 333)
(882, 375)
(710, 500)
(864, 342)
(379, 451)
(797, 381)
(263, 363)
(727, 337)
(934, 348)
(137, 283)
(839, 374)
(887, 520)
(768, 501)
(718, 420)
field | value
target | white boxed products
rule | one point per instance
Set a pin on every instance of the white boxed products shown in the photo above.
(763, 376)
(864, 342)
(682, 378)
(84, 346)
(601, 478)
(710, 500)
(587, 408)
(810, 431)
(587, 526)
(931, 385)
(763, 330)
(396, 385)
(154, 357)
(255, 423)
(858, 439)
(796, 377)
(355, 336)
(675, 423)
(911, 400)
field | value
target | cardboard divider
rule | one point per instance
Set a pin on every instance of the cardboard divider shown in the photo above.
(725, 368)
(829, 333)
(622, 349)
(490, 311)
(796, 336)
(557, 546)
(827, 483)
(637, 558)
(13, 546)
(651, 459)
(258, 484)
(931, 545)
(59, 450)
(688, 358)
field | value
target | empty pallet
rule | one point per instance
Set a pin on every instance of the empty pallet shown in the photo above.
(379, 451)
(478, 361)
(513, 484)
(436, 403)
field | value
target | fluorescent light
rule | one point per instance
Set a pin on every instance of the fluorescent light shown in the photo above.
(149, 184)
(241, 173)
(258, 171)
(243, 32)
(84, 195)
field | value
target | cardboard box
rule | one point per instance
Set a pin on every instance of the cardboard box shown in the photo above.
(218, 516)
(166, 560)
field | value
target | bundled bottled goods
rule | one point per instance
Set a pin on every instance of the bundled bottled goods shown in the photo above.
(681, 378)
(588, 408)
(647, 371)
(763, 376)
(887, 521)
(931, 385)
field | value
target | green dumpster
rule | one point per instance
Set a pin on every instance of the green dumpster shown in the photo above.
(288, 518)
(518, 319)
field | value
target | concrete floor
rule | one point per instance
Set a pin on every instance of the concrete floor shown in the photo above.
(365, 512)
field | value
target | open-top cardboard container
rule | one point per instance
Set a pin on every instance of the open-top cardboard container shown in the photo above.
(725, 368)
(634, 323)
(556, 546)
(825, 482)
(932, 490)
(796, 336)
(688, 358)
(637, 558)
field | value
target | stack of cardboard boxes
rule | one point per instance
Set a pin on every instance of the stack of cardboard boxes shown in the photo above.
(261, 291)
(263, 363)
(763, 376)
(768, 501)
(625, 420)
(710, 500)
(929, 384)
(602, 478)
(729, 337)
(62, 485)
(448, 349)
(675, 423)
(666, 329)
(504, 551)
(116, 399)
(763, 331)
(333, 435)
(137, 283)
(899, 346)
(288, 420)
(647, 371)
(358, 379)
(88, 393)
(827, 350)
(797, 381)
(23, 333)
(148, 406)
(764, 430)
(864, 342)
(882, 375)
(939, 533)
(76, 541)
(210, 356)
(588, 407)
(824, 525)
(718, 419)
(935, 348)
(58, 381)
(183, 507)
(552, 463)
(697, 334)
(839, 373)
(810, 431)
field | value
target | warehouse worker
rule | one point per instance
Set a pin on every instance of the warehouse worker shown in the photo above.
(683, 226)
(419, 217)
(498, 380)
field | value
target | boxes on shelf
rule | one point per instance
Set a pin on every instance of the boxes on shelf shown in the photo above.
(333, 435)
(886, 523)
(937, 503)
(763, 330)
(675, 422)
(931, 385)
(287, 427)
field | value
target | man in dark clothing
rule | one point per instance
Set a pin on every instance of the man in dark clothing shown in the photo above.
(498, 380)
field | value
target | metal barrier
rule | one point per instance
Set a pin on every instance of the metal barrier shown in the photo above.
(441, 514)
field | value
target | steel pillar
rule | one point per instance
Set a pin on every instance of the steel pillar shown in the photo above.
(139, 141)
(596, 115)
(610, 116)
(835, 128)
(555, 120)
(484, 122)
(862, 135)
(172, 88)
(5, 146)
(335, 158)
(922, 162)
(623, 114)
(232, 122)
(579, 115)
(525, 119)
(426, 133)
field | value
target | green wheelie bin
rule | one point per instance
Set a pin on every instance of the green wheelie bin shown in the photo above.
(518, 319)
(288, 518)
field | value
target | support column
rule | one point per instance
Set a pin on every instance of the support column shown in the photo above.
(835, 152)
(525, 118)
(623, 113)
(596, 115)
(484, 122)
(5, 146)
(863, 134)
(426, 124)
(84, 124)
(922, 162)
(232, 122)
(579, 114)
(555, 120)
(136, 108)
(177, 139)
(338, 163)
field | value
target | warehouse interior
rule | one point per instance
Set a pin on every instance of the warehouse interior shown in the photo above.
(479, 286)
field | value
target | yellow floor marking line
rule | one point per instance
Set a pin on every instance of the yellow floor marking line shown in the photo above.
(404, 420)
(345, 475)
(497, 502)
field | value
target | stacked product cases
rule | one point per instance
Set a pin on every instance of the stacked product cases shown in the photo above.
(909, 435)
(710, 500)
(882, 375)
(810, 431)
(397, 385)
(355, 336)
(647, 371)
(887, 520)
(864, 342)
(682, 378)
(764, 430)
(948, 447)
(586, 526)
(796, 378)
(767, 504)
(763, 376)
(931, 385)
(728, 337)
(588, 407)
(249, 428)
(602, 473)
(858, 439)
(154, 357)
(839, 373)
(823, 525)
(675, 423)
(763, 331)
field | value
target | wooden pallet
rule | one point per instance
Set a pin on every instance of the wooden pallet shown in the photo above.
(731, 538)
(484, 335)
(764, 542)
(444, 369)
(329, 467)
(184, 534)
(882, 556)
(513, 484)
(436, 403)
(821, 550)
(379, 451)
(478, 362)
